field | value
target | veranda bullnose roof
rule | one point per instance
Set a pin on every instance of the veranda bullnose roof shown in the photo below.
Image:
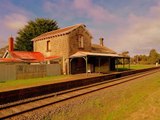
(84, 54)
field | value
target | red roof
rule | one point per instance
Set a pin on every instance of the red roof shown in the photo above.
(28, 56)
(24, 56)
(10, 60)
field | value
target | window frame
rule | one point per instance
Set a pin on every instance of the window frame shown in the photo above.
(48, 47)
(80, 41)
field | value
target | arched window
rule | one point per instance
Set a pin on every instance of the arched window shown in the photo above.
(81, 41)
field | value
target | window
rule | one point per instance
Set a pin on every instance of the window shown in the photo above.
(81, 41)
(48, 46)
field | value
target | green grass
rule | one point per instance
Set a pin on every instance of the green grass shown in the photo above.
(136, 100)
(139, 66)
(134, 67)
(23, 83)
(12, 84)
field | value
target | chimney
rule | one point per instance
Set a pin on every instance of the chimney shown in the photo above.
(101, 41)
(11, 43)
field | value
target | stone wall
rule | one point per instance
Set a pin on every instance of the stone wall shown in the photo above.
(64, 46)
(59, 46)
(73, 41)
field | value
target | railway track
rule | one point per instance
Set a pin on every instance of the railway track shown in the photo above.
(19, 108)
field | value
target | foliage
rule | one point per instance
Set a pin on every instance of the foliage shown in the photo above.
(125, 53)
(32, 30)
(153, 57)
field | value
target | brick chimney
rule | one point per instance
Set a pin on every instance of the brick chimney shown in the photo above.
(101, 41)
(11, 44)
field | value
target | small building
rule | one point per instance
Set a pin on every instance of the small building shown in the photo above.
(74, 45)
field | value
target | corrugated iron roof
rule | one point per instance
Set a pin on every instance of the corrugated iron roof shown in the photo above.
(83, 54)
(58, 32)
(27, 56)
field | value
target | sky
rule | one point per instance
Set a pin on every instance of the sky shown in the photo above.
(125, 25)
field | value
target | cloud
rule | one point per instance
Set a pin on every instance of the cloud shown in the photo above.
(93, 11)
(14, 21)
(141, 35)
(155, 10)
(82, 9)
(12, 18)
(61, 9)
(137, 33)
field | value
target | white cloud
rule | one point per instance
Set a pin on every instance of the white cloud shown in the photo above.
(142, 34)
(85, 9)
(137, 34)
(14, 21)
(12, 18)
(95, 12)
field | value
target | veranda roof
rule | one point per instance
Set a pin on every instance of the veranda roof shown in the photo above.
(84, 54)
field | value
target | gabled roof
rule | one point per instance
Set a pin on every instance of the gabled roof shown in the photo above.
(59, 32)
(101, 49)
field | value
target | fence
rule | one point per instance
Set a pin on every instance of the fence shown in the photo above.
(13, 72)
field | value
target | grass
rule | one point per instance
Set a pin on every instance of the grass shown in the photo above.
(12, 84)
(134, 67)
(136, 100)
(23, 83)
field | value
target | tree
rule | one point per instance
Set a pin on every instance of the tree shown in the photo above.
(125, 53)
(153, 56)
(32, 30)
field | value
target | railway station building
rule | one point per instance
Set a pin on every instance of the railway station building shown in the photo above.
(74, 45)
(71, 47)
